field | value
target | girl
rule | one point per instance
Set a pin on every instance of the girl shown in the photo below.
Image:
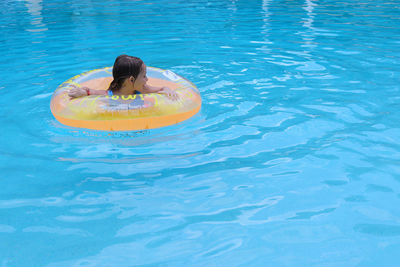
(129, 77)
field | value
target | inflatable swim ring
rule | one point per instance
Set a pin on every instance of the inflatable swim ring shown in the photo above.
(124, 113)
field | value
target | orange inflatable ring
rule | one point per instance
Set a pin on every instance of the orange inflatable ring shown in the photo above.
(125, 113)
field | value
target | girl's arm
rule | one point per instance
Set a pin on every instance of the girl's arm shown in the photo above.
(160, 90)
(84, 91)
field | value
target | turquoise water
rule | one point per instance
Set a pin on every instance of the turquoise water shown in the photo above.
(293, 159)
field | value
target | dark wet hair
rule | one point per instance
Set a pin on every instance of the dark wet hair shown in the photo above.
(124, 67)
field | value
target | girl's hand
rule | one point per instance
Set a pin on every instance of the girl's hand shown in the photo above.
(171, 94)
(74, 91)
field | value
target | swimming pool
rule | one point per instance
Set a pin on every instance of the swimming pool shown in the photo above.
(293, 159)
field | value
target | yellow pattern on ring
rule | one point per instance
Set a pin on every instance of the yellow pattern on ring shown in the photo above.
(125, 113)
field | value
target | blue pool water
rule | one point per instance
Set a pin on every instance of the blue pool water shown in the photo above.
(293, 160)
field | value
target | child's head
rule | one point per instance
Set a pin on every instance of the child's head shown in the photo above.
(127, 67)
